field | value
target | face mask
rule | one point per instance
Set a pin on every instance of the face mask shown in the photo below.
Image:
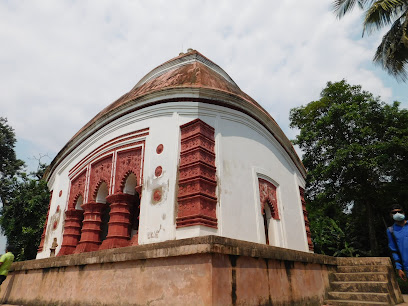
(398, 217)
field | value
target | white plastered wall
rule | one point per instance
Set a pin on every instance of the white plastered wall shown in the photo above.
(156, 217)
(244, 150)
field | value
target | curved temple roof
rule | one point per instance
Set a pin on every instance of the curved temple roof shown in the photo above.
(194, 71)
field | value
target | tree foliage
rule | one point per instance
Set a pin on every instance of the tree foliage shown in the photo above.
(24, 197)
(22, 219)
(9, 164)
(392, 53)
(356, 151)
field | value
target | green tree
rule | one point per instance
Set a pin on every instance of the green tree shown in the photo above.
(24, 198)
(9, 164)
(355, 149)
(392, 53)
(22, 218)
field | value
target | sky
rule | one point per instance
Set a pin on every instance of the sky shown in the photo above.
(61, 62)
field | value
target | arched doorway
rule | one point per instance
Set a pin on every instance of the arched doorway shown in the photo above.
(101, 195)
(79, 202)
(267, 221)
(79, 211)
(269, 211)
(129, 188)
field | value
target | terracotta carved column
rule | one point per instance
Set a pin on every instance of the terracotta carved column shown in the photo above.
(91, 227)
(72, 231)
(197, 199)
(308, 232)
(119, 221)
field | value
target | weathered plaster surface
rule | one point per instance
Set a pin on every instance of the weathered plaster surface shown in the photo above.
(207, 270)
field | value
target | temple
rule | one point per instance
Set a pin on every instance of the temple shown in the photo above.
(185, 153)
(185, 191)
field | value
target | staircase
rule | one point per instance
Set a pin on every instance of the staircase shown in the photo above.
(363, 281)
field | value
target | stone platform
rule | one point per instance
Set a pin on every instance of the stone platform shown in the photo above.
(208, 270)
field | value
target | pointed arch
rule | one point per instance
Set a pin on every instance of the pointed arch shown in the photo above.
(129, 182)
(267, 194)
(100, 172)
(269, 210)
(273, 208)
(77, 187)
(101, 192)
(78, 201)
(128, 161)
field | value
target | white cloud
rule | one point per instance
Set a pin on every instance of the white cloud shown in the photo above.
(63, 61)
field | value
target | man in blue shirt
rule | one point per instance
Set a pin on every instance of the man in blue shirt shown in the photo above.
(398, 240)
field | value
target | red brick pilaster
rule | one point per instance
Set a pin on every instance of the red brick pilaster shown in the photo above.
(197, 199)
(72, 231)
(91, 227)
(40, 247)
(119, 221)
(308, 233)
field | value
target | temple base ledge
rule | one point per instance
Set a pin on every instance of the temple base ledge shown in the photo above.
(189, 246)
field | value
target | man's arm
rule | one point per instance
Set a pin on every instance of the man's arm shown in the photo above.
(394, 249)
(395, 255)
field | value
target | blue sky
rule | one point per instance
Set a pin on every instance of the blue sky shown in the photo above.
(61, 62)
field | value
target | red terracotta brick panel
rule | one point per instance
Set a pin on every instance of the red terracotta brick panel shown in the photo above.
(197, 200)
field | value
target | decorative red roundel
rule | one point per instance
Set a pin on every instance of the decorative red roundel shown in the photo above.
(58, 208)
(159, 149)
(158, 171)
(60, 193)
(54, 226)
(157, 195)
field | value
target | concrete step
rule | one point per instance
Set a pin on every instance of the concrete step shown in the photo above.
(362, 268)
(360, 296)
(356, 261)
(361, 276)
(352, 303)
(377, 287)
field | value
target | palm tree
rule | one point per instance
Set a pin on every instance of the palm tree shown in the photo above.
(392, 53)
